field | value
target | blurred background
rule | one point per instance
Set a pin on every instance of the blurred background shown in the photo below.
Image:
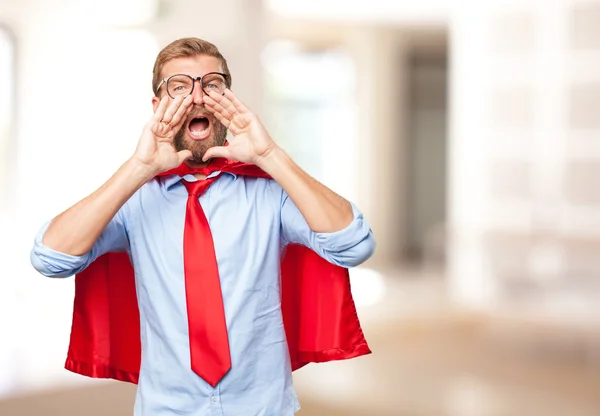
(467, 132)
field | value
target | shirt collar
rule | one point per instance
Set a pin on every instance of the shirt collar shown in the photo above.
(171, 180)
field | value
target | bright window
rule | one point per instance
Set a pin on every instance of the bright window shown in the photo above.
(311, 109)
(7, 82)
(7, 111)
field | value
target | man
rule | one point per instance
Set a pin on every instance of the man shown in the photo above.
(142, 210)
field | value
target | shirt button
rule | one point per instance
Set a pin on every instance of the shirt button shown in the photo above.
(214, 398)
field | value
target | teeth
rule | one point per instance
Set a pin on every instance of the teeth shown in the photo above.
(199, 133)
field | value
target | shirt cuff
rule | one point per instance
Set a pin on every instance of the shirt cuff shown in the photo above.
(53, 263)
(346, 238)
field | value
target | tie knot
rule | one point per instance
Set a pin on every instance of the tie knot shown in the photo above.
(197, 188)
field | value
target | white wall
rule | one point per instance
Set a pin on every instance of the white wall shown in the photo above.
(77, 122)
(523, 197)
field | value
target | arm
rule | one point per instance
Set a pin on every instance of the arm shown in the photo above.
(75, 231)
(53, 263)
(312, 214)
(324, 210)
(346, 247)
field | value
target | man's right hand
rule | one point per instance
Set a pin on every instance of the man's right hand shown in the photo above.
(155, 149)
(75, 231)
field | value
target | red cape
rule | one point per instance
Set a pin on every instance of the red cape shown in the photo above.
(319, 314)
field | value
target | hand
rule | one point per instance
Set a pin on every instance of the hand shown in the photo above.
(155, 148)
(250, 143)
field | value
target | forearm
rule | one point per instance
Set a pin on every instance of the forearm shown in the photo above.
(75, 231)
(324, 210)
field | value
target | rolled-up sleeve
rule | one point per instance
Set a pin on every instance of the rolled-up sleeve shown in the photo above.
(348, 247)
(53, 263)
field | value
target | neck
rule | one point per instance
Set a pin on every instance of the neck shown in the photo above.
(194, 165)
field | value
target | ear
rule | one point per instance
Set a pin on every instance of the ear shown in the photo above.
(155, 103)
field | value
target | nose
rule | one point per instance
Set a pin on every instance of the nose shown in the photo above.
(198, 94)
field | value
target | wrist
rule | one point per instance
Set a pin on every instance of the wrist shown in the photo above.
(139, 170)
(274, 161)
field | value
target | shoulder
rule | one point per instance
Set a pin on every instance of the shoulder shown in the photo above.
(252, 188)
(150, 189)
(266, 184)
(148, 193)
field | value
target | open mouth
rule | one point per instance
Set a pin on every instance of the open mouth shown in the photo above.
(199, 128)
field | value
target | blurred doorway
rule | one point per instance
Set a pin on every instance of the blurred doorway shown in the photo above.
(7, 110)
(426, 146)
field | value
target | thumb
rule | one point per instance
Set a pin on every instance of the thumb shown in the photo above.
(217, 151)
(184, 155)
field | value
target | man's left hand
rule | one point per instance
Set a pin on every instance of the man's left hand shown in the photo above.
(251, 142)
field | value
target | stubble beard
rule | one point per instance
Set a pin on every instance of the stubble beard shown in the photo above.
(199, 147)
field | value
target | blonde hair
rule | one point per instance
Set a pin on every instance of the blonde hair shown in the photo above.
(184, 48)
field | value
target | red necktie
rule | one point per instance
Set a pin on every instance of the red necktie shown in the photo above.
(209, 345)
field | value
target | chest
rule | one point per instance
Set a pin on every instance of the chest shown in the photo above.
(245, 227)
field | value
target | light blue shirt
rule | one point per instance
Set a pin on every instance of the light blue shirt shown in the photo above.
(252, 220)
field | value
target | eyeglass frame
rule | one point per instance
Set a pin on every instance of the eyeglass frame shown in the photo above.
(199, 79)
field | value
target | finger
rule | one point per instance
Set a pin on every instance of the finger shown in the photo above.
(172, 109)
(183, 110)
(220, 107)
(224, 120)
(184, 155)
(160, 110)
(239, 122)
(217, 151)
(228, 105)
(241, 108)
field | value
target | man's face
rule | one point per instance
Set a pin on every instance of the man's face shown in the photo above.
(201, 130)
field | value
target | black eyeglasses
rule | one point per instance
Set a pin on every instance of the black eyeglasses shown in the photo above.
(179, 85)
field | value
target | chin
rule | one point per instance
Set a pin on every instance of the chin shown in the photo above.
(198, 148)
